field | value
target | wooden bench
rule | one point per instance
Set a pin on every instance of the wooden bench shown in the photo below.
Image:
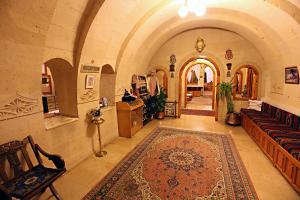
(263, 127)
(19, 177)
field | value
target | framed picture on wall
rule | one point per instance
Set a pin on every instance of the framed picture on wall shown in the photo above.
(46, 84)
(291, 75)
(170, 109)
(90, 81)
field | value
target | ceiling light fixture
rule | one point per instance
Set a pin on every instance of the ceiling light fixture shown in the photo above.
(195, 6)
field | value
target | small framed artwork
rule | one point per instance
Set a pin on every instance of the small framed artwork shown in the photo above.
(104, 101)
(170, 109)
(90, 81)
(46, 84)
(291, 75)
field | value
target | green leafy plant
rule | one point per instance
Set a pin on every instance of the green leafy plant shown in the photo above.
(225, 91)
(161, 100)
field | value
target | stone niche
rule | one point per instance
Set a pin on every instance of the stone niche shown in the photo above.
(108, 84)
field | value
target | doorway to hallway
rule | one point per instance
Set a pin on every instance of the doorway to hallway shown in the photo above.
(198, 79)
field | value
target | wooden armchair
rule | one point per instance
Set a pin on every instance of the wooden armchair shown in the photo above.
(19, 178)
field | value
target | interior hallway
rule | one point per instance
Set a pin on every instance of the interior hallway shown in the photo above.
(268, 182)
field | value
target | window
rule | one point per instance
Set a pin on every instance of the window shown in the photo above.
(59, 92)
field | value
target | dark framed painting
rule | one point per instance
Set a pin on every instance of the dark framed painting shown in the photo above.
(291, 75)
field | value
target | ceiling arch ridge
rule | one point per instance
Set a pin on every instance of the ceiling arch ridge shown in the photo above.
(200, 27)
(290, 8)
(232, 26)
(162, 34)
(109, 29)
(85, 23)
(136, 27)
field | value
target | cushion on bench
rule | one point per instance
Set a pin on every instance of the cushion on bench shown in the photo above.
(282, 126)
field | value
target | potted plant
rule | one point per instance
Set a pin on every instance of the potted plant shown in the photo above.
(161, 102)
(225, 92)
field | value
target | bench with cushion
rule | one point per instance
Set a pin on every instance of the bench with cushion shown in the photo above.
(277, 132)
(19, 177)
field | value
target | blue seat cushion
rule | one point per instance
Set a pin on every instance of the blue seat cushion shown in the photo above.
(30, 180)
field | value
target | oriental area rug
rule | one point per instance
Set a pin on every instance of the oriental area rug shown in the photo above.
(178, 164)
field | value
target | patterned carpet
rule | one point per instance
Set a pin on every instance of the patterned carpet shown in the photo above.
(178, 164)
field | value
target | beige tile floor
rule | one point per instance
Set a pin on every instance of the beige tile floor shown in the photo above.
(201, 103)
(268, 182)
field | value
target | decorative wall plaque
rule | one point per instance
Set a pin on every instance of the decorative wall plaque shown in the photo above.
(200, 45)
(172, 59)
(89, 95)
(89, 69)
(20, 106)
(228, 54)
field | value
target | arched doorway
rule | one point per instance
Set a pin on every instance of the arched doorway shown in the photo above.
(185, 74)
(162, 77)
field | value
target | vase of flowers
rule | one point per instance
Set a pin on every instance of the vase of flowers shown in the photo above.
(95, 114)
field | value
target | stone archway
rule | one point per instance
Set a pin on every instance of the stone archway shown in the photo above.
(216, 82)
(165, 80)
(65, 78)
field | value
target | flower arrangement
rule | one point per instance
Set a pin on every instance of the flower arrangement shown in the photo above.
(95, 113)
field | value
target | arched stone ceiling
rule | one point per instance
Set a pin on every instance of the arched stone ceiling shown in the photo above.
(146, 10)
(157, 38)
(260, 28)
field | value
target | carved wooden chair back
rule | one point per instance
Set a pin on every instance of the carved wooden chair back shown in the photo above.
(16, 168)
(12, 156)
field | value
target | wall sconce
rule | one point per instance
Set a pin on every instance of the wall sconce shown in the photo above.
(229, 65)
(172, 65)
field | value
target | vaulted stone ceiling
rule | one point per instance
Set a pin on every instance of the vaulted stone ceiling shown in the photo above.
(117, 23)
(128, 33)
(265, 23)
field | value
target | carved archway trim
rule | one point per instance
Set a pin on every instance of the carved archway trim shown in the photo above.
(217, 82)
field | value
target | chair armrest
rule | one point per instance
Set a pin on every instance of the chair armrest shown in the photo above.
(56, 159)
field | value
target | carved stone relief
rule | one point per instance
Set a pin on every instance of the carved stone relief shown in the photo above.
(88, 95)
(200, 45)
(20, 106)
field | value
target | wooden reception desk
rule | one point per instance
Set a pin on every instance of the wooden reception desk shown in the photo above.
(130, 117)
